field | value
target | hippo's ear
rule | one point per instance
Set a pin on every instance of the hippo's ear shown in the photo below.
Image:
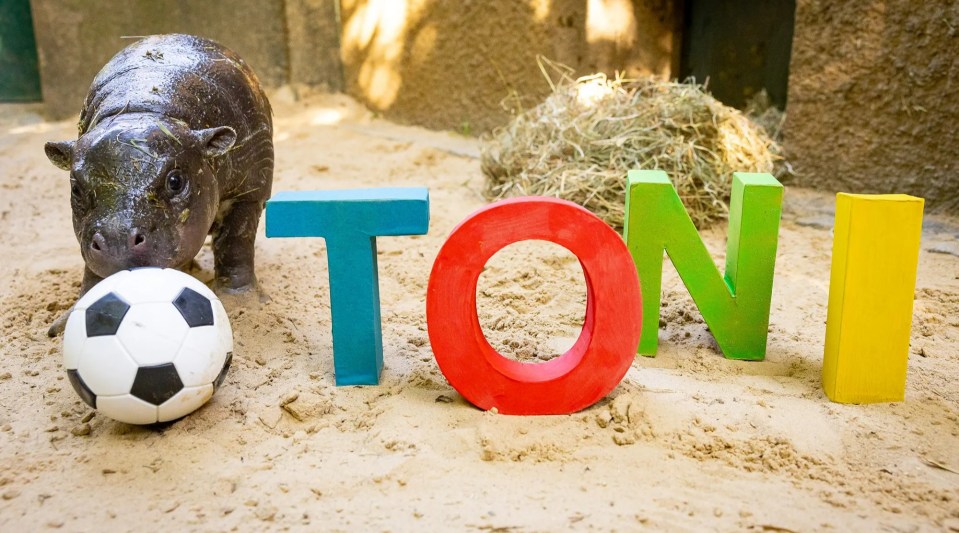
(214, 142)
(60, 153)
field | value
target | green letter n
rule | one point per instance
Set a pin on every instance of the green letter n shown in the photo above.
(735, 306)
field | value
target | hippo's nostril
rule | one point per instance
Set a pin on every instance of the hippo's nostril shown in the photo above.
(135, 239)
(97, 243)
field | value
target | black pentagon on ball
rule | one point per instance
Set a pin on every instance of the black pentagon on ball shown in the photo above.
(195, 308)
(78, 385)
(105, 315)
(226, 368)
(156, 384)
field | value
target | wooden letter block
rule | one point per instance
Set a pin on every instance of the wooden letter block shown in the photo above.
(350, 221)
(734, 305)
(875, 255)
(606, 346)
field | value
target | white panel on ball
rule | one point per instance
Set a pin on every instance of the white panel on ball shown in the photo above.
(127, 408)
(151, 285)
(153, 333)
(222, 323)
(201, 356)
(106, 367)
(74, 339)
(184, 402)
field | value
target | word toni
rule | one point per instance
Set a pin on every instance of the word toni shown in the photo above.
(622, 314)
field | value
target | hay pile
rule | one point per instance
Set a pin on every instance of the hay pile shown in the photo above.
(581, 141)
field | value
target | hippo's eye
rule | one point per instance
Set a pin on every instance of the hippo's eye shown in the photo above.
(175, 181)
(75, 190)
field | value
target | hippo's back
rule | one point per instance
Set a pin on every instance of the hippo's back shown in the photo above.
(184, 77)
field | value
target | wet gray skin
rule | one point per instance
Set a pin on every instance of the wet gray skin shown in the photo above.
(175, 143)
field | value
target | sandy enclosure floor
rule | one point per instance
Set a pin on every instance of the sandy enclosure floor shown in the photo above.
(688, 441)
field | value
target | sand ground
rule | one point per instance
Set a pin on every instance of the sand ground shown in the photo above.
(689, 441)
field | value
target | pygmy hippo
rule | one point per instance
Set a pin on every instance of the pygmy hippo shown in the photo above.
(175, 143)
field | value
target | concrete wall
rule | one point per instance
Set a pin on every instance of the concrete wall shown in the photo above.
(313, 43)
(872, 105)
(449, 63)
(284, 41)
(439, 63)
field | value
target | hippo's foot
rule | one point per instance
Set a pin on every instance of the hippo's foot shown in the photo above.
(233, 261)
(252, 299)
(59, 324)
(247, 296)
(237, 281)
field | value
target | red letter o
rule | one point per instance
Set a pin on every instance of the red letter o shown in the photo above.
(606, 346)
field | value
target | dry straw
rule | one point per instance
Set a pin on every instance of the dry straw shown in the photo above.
(581, 141)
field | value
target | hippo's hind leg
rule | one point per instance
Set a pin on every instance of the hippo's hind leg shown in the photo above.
(89, 280)
(233, 237)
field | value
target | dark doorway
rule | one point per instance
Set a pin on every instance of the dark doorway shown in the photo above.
(19, 76)
(740, 46)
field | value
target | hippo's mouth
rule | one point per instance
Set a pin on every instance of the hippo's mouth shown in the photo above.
(104, 265)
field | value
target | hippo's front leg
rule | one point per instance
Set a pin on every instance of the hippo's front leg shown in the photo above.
(233, 238)
(89, 280)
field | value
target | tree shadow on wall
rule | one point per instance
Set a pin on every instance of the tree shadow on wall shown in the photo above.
(448, 64)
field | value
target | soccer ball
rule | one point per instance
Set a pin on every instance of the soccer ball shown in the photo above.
(147, 345)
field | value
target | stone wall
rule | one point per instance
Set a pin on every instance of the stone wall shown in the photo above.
(872, 101)
(448, 64)
(439, 63)
(283, 40)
